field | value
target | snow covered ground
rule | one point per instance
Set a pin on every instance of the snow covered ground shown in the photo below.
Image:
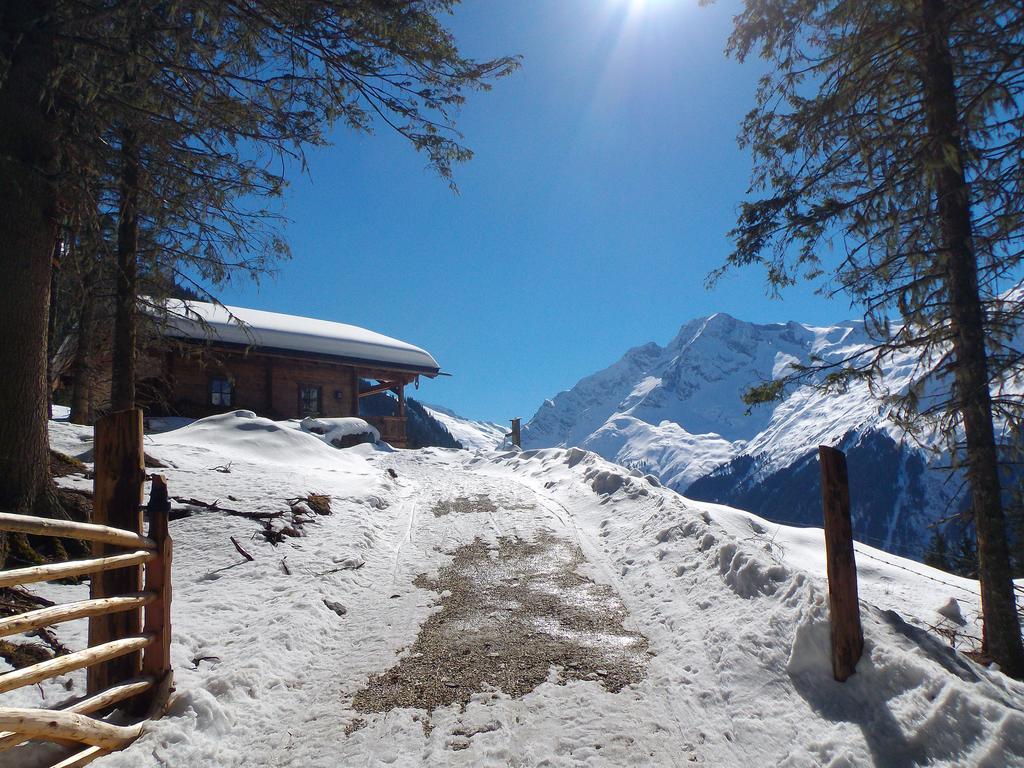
(725, 616)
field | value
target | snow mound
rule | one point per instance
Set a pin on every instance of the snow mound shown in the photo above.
(335, 431)
(244, 435)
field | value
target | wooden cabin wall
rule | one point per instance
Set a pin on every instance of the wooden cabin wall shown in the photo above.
(170, 382)
(265, 384)
(337, 384)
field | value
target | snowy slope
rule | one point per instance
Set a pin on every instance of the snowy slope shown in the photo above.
(731, 609)
(474, 435)
(677, 412)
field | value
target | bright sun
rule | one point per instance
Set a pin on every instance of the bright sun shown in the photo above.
(637, 6)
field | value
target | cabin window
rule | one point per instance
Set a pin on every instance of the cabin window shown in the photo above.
(309, 400)
(221, 391)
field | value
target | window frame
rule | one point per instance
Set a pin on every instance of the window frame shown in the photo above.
(213, 391)
(319, 392)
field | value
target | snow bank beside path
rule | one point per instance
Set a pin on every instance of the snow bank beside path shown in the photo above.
(736, 610)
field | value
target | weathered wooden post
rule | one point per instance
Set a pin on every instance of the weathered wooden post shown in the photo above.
(117, 490)
(517, 435)
(844, 605)
(156, 659)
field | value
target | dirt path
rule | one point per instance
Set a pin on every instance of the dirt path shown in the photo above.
(517, 623)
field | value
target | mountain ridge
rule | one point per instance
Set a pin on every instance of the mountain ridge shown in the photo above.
(676, 412)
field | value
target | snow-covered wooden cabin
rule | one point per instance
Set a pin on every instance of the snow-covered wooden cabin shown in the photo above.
(284, 366)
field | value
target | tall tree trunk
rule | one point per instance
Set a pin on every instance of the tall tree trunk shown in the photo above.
(122, 386)
(83, 367)
(51, 325)
(29, 161)
(1002, 626)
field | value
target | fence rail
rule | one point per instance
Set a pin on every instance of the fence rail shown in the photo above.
(144, 692)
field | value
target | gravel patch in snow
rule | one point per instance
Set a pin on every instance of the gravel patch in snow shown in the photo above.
(510, 612)
(464, 505)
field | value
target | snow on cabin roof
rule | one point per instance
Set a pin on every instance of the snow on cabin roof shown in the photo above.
(272, 330)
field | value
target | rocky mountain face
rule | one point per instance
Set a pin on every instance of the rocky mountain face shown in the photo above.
(676, 412)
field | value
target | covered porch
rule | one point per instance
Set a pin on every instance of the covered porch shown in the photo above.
(381, 402)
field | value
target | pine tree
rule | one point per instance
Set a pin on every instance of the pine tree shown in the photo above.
(937, 554)
(169, 117)
(29, 218)
(965, 560)
(889, 134)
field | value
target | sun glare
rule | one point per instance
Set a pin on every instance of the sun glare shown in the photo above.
(637, 8)
(640, 5)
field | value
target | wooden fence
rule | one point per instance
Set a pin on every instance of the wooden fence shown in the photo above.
(127, 660)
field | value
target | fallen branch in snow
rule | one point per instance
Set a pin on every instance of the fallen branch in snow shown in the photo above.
(214, 506)
(351, 564)
(318, 503)
(15, 600)
(48, 637)
(241, 551)
(276, 535)
(284, 566)
(966, 643)
(271, 534)
(254, 515)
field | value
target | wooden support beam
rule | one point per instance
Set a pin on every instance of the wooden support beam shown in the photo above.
(268, 385)
(83, 758)
(89, 704)
(383, 386)
(844, 605)
(353, 392)
(120, 473)
(44, 617)
(54, 725)
(110, 696)
(516, 434)
(52, 571)
(156, 661)
(63, 664)
(66, 529)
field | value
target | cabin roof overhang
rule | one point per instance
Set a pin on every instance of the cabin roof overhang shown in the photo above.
(272, 333)
(366, 367)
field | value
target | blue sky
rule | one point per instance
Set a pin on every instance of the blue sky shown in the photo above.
(605, 179)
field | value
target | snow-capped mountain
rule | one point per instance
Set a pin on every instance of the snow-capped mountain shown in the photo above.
(676, 412)
(473, 435)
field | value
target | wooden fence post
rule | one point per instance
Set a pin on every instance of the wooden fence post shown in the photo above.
(156, 659)
(844, 605)
(117, 490)
(517, 435)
